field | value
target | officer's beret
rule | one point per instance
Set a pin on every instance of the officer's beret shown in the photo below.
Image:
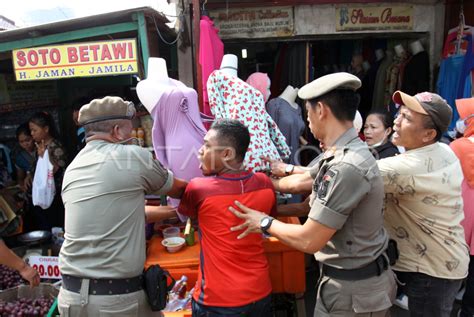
(107, 108)
(324, 84)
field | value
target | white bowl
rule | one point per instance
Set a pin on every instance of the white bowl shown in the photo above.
(173, 244)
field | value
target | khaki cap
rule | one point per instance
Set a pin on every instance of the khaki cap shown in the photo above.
(427, 103)
(107, 108)
(324, 84)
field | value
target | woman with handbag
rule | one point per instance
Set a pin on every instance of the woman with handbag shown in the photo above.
(43, 131)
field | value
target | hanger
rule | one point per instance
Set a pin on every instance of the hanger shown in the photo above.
(203, 9)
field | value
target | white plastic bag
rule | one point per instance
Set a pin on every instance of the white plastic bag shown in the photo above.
(43, 182)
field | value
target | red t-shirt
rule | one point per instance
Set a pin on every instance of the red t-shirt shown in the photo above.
(233, 272)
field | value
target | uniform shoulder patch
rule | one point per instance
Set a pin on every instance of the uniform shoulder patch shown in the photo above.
(325, 183)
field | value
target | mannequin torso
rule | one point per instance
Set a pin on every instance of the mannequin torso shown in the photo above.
(229, 65)
(289, 95)
(416, 47)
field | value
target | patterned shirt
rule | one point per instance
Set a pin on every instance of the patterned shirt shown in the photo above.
(58, 157)
(232, 98)
(424, 210)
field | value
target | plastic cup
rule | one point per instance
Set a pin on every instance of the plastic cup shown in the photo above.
(170, 232)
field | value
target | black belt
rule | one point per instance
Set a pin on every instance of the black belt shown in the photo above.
(104, 286)
(375, 268)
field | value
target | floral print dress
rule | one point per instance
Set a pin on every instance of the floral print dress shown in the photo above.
(232, 98)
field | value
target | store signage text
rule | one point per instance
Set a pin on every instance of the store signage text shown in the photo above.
(254, 22)
(374, 18)
(76, 60)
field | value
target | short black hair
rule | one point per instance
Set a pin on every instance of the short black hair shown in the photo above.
(233, 133)
(342, 102)
(23, 128)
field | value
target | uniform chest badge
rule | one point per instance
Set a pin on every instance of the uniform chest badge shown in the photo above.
(325, 184)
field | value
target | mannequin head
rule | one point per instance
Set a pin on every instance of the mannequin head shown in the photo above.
(261, 82)
(289, 95)
(229, 64)
(416, 47)
(356, 63)
(379, 54)
(149, 90)
(399, 50)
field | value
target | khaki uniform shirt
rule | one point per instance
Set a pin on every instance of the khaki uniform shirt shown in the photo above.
(348, 196)
(103, 194)
(424, 210)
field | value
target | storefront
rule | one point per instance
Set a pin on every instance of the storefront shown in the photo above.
(53, 67)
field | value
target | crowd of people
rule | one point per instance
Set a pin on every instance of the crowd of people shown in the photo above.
(391, 212)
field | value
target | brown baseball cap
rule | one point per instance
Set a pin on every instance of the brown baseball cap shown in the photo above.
(107, 108)
(427, 103)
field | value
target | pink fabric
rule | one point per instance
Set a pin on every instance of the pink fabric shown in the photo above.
(260, 81)
(211, 51)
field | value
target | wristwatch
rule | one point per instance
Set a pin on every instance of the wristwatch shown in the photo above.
(289, 169)
(265, 224)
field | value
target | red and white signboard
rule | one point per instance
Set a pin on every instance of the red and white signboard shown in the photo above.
(47, 266)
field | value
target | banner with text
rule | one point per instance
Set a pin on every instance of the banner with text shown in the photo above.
(254, 22)
(352, 18)
(86, 59)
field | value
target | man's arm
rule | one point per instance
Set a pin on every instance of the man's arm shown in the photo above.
(294, 210)
(157, 213)
(308, 238)
(177, 190)
(294, 184)
(10, 259)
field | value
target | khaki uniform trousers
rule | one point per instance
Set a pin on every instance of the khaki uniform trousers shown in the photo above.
(72, 304)
(371, 297)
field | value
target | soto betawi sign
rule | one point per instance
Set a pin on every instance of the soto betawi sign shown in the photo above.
(86, 59)
(350, 18)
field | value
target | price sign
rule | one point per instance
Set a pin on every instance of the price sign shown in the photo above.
(47, 266)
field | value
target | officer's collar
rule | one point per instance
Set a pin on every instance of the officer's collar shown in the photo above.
(340, 143)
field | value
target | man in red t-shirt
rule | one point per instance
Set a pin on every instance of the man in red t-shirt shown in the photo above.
(234, 274)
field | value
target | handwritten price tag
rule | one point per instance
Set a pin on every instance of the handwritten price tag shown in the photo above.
(47, 266)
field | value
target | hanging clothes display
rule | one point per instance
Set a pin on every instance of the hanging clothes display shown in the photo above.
(416, 75)
(454, 80)
(178, 132)
(211, 51)
(290, 122)
(232, 98)
(391, 78)
(379, 86)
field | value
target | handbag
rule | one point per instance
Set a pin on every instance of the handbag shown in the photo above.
(157, 287)
(43, 182)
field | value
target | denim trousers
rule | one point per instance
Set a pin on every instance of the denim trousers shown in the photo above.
(261, 308)
(467, 306)
(428, 295)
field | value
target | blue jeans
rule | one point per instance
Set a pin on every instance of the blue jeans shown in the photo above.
(428, 295)
(261, 308)
(467, 307)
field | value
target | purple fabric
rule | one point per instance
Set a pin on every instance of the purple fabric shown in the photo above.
(178, 132)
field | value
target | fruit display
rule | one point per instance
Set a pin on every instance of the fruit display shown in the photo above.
(9, 278)
(25, 307)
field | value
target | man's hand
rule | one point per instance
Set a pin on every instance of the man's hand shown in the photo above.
(252, 219)
(277, 168)
(30, 274)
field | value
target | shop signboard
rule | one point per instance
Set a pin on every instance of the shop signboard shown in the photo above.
(85, 59)
(360, 17)
(254, 22)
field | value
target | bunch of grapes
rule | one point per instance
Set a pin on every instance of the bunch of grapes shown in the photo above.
(9, 278)
(24, 307)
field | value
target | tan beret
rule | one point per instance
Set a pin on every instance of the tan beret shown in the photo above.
(324, 84)
(107, 108)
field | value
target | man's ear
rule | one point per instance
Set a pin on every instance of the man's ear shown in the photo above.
(116, 132)
(429, 135)
(323, 110)
(228, 153)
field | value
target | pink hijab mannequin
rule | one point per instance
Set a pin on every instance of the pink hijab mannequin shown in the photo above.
(261, 82)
